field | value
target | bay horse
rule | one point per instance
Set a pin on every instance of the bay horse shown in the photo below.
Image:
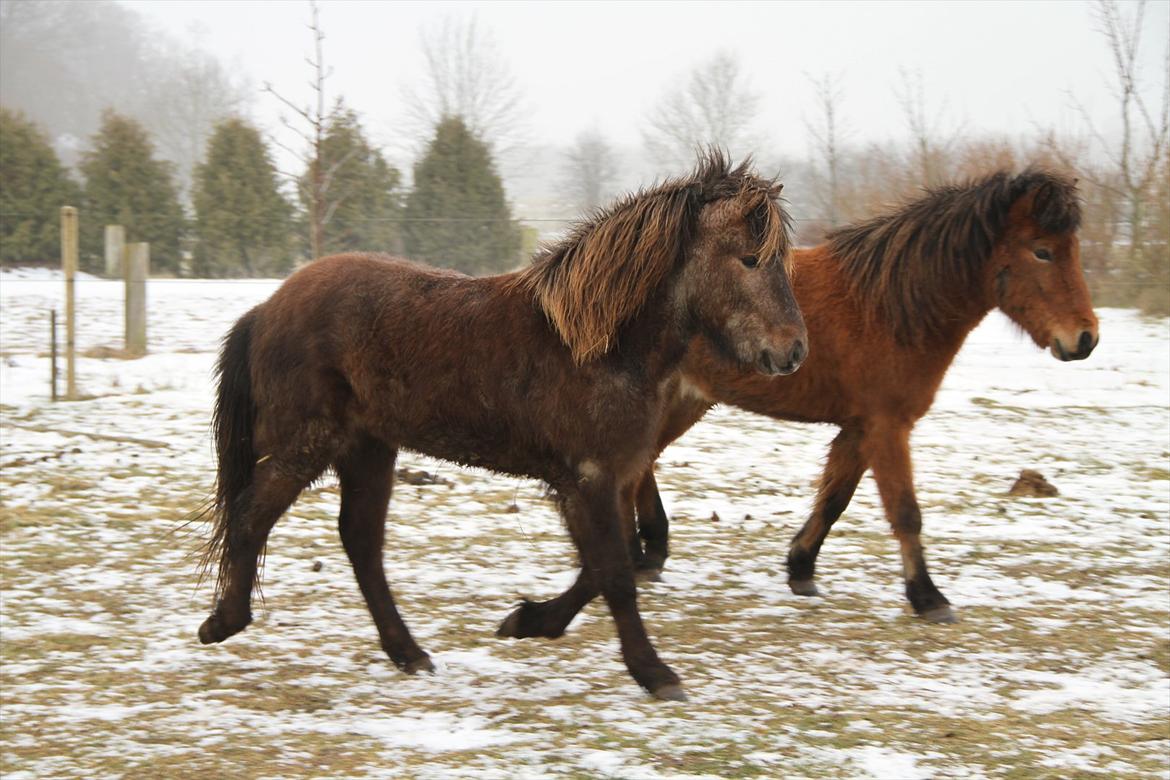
(557, 371)
(889, 302)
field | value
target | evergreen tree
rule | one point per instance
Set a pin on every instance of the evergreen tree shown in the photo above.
(457, 214)
(125, 185)
(362, 203)
(242, 224)
(33, 188)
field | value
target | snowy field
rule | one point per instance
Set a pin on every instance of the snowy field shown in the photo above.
(1060, 666)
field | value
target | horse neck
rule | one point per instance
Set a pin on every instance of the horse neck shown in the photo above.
(949, 334)
(655, 340)
(820, 280)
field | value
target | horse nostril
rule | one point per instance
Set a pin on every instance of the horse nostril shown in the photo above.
(1085, 343)
(798, 352)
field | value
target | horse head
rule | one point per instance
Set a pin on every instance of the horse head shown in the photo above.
(715, 243)
(736, 283)
(1035, 271)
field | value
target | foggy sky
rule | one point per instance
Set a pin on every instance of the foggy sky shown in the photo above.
(997, 68)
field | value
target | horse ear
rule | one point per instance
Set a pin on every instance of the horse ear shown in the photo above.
(1052, 205)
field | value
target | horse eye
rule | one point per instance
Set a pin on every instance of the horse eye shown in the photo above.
(1043, 254)
(751, 261)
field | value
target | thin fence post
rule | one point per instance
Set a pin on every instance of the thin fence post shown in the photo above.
(69, 263)
(53, 353)
(137, 269)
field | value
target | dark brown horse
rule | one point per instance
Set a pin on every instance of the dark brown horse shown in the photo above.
(888, 304)
(556, 372)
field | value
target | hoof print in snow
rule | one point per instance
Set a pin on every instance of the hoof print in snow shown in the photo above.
(1031, 484)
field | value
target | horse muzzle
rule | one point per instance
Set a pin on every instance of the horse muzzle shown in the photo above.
(1085, 343)
(779, 363)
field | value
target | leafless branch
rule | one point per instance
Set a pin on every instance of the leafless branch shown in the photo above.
(464, 75)
(714, 105)
(827, 132)
(589, 169)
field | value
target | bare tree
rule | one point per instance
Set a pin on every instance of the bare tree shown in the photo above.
(1100, 192)
(1144, 135)
(188, 96)
(715, 105)
(589, 169)
(828, 133)
(311, 125)
(928, 142)
(1130, 175)
(465, 76)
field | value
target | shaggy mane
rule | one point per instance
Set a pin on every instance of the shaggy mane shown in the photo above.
(599, 276)
(904, 262)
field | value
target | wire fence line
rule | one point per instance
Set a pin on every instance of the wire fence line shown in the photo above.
(584, 217)
(1120, 285)
(114, 219)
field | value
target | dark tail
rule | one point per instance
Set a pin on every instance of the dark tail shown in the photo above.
(232, 422)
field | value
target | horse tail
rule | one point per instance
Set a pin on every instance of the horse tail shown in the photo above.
(232, 421)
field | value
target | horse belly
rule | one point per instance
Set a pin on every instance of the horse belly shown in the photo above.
(492, 447)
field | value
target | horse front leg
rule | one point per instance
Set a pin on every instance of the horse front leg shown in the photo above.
(549, 619)
(843, 470)
(592, 514)
(594, 520)
(887, 448)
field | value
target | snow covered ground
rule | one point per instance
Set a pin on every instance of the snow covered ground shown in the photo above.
(1060, 665)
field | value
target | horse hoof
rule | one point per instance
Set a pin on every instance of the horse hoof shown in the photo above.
(214, 631)
(648, 575)
(419, 665)
(943, 614)
(804, 587)
(510, 628)
(526, 621)
(208, 633)
(671, 692)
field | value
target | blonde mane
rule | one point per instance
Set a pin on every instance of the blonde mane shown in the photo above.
(594, 280)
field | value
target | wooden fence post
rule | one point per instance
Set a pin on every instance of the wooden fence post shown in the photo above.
(137, 269)
(69, 263)
(115, 250)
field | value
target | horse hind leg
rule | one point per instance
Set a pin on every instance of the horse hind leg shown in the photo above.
(250, 518)
(366, 473)
(843, 471)
(653, 529)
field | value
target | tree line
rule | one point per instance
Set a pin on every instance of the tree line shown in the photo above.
(240, 223)
(179, 166)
